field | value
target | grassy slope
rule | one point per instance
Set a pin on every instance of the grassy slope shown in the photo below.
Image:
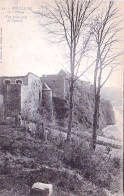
(73, 169)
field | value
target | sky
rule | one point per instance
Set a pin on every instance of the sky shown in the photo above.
(25, 47)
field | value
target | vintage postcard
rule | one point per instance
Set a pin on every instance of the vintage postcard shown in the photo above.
(61, 97)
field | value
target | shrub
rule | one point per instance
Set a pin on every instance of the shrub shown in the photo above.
(94, 166)
(117, 162)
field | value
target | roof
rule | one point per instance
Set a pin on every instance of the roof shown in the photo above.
(30, 73)
(45, 87)
(62, 73)
(19, 76)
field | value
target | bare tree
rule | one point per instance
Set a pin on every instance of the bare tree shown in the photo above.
(67, 20)
(105, 33)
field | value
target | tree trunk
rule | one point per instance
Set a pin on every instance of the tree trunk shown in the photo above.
(96, 100)
(96, 119)
(70, 112)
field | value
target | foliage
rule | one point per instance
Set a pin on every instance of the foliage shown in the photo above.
(96, 167)
(83, 107)
(69, 166)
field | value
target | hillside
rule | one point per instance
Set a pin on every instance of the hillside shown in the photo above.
(115, 95)
(83, 107)
(73, 168)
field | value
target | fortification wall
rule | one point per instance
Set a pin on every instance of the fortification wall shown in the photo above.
(31, 97)
(12, 99)
(12, 80)
(56, 83)
(47, 104)
(10, 95)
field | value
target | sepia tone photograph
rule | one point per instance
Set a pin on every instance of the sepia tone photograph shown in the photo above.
(61, 97)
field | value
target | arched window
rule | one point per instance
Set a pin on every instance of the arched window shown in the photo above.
(19, 81)
(7, 81)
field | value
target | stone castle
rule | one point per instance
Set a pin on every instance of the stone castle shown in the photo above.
(29, 94)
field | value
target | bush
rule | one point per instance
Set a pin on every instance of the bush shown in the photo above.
(94, 166)
(117, 163)
(59, 162)
(61, 108)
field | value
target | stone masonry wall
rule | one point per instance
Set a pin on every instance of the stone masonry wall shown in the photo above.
(31, 97)
(56, 83)
(47, 104)
(12, 99)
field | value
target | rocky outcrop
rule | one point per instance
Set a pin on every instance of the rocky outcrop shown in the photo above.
(107, 116)
(83, 107)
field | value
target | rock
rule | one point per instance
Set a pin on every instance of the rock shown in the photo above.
(83, 107)
(41, 189)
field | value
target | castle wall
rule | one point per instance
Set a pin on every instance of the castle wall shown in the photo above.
(56, 83)
(47, 104)
(13, 79)
(31, 97)
(27, 97)
(12, 99)
(10, 95)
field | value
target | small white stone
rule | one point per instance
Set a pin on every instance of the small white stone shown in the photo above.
(42, 186)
